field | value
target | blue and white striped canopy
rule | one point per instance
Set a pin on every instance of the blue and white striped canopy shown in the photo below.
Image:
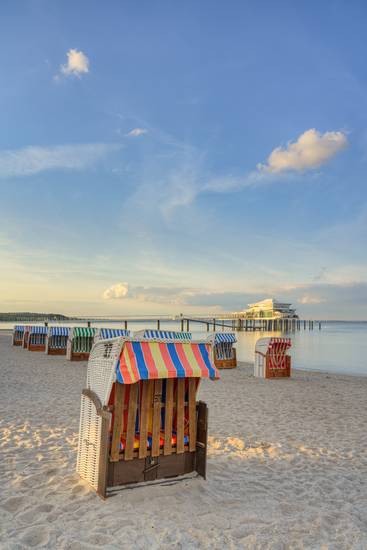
(59, 331)
(105, 333)
(168, 334)
(38, 330)
(228, 337)
(19, 328)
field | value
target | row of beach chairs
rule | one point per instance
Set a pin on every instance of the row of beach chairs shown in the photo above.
(140, 420)
(76, 343)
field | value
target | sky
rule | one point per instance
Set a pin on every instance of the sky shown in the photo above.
(183, 157)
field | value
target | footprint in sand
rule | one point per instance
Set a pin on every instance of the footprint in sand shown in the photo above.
(36, 536)
(13, 504)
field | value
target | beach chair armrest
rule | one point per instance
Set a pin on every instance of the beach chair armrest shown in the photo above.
(101, 411)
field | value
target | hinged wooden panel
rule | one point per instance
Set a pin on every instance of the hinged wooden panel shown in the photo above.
(157, 401)
(192, 414)
(168, 418)
(180, 415)
(146, 404)
(131, 418)
(202, 438)
(118, 421)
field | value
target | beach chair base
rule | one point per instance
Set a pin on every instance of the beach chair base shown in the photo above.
(17, 342)
(151, 468)
(225, 363)
(271, 372)
(36, 347)
(57, 351)
(79, 356)
(229, 363)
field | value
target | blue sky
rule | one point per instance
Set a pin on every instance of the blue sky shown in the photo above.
(183, 157)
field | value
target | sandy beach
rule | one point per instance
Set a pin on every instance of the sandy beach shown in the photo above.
(287, 466)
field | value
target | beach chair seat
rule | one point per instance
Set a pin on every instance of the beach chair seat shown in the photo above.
(140, 420)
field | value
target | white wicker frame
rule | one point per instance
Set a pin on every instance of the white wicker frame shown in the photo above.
(100, 378)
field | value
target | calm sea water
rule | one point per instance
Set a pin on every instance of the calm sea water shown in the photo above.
(339, 347)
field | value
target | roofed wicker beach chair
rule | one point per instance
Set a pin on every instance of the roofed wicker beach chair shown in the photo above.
(150, 334)
(272, 359)
(37, 338)
(80, 342)
(57, 340)
(105, 333)
(223, 350)
(140, 420)
(18, 333)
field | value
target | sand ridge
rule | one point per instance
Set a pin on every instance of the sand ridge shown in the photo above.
(287, 466)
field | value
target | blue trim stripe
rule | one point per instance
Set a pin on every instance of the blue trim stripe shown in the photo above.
(113, 332)
(59, 331)
(140, 361)
(168, 334)
(225, 337)
(206, 359)
(176, 361)
(38, 330)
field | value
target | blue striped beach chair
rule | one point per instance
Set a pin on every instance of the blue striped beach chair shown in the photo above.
(57, 340)
(37, 338)
(18, 333)
(223, 351)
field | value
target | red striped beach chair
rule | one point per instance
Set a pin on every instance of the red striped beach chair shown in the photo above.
(272, 359)
(140, 420)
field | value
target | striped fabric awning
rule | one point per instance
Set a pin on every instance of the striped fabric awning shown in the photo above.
(84, 332)
(38, 330)
(105, 333)
(228, 337)
(19, 328)
(280, 344)
(59, 331)
(168, 334)
(152, 360)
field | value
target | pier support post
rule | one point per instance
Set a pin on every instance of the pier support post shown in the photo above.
(125, 325)
(158, 324)
(187, 325)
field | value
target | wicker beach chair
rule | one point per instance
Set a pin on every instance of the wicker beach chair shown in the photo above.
(56, 340)
(224, 353)
(18, 333)
(272, 359)
(80, 342)
(140, 420)
(37, 338)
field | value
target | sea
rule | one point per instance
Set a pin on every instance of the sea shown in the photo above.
(338, 347)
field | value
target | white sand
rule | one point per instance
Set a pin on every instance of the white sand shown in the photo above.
(287, 466)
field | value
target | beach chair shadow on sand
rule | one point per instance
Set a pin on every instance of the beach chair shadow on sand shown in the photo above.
(140, 420)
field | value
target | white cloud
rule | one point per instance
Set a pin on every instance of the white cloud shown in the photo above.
(77, 64)
(311, 150)
(309, 299)
(32, 160)
(136, 132)
(116, 292)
